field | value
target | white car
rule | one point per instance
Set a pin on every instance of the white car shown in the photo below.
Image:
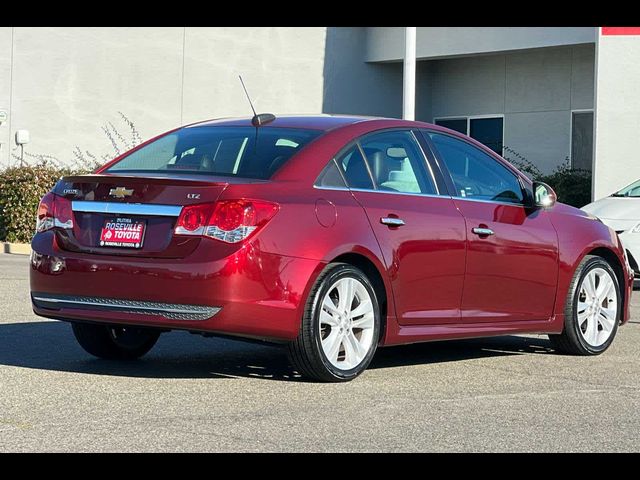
(621, 211)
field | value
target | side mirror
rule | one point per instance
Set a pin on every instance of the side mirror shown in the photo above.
(543, 195)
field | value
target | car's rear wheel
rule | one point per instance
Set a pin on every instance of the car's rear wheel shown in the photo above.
(592, 309)
(340, 327)
(115, 342)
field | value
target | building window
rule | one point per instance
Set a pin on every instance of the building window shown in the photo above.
(457, 124)
(581, 140)
(487, 130)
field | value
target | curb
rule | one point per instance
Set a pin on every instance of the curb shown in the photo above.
(17, 248)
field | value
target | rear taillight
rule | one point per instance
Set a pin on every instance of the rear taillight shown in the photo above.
(229, 221)
(54, 211)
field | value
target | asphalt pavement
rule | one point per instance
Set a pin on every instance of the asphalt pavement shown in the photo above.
(206, 394)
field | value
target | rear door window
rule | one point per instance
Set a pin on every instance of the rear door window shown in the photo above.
(396, 163)
(355, 169)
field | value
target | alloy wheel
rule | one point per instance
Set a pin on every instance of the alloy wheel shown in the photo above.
(346, 323)
(597, 307)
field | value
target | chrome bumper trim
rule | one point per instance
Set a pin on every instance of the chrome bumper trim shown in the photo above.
(147, 209)
(171, 311)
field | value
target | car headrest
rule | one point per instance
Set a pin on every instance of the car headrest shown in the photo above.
(189, 160)
(357, 173)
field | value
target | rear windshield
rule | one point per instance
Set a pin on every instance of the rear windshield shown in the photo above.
(226, 151)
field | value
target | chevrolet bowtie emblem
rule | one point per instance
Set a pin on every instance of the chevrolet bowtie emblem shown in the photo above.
(121, 192)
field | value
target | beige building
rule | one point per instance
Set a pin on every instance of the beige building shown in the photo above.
(546, 94)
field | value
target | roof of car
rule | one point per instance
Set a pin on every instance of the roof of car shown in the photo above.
(323, 122)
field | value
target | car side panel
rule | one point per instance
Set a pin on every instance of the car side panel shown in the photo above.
(425, 257)
(511, 275)
(317, 224)
(578, 235)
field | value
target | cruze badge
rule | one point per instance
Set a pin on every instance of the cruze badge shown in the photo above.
(121, 192)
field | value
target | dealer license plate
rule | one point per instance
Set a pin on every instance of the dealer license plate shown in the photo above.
(122, 232)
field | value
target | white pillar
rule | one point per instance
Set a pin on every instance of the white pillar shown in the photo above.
(617, 119)
(409, 74)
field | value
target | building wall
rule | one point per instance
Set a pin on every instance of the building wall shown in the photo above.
(535, 90)
(5, 90)
(386, 44)
(617, 122)
(354, 86)
(63, 84)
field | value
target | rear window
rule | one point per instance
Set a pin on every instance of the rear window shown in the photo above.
(226, 151)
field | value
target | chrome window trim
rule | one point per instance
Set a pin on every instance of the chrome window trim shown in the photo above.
(387, 192)
(429, 195)
(497, 202)
(337, 189)
(146, 209)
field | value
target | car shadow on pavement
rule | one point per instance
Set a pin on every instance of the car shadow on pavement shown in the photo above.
(51, 346)
(455, 350)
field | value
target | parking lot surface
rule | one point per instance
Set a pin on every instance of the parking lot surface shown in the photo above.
(206, 394)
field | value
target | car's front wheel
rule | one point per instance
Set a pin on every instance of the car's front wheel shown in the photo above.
(340, 327)
(115, 342)
(592, 309)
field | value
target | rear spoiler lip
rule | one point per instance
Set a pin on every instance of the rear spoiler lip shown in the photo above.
(186, 180)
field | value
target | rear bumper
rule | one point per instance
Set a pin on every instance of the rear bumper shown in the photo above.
(248, 293)
(169, 311)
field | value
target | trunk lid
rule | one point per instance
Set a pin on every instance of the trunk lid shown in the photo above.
(151, 204)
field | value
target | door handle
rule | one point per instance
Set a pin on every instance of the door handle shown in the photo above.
(392, 221)
(483, 232)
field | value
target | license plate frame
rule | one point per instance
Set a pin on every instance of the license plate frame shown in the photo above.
(133, 236)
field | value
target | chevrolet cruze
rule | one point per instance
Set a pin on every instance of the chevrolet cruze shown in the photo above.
(332, 235)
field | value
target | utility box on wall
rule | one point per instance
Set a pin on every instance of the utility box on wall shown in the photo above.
(22, 137)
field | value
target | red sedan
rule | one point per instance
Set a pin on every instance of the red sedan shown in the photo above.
(332, 235)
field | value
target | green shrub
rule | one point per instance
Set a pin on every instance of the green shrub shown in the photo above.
(23, 185)
(21, 189)
(573, 186)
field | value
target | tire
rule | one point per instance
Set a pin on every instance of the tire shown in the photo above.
(115, 342)
(590, 330)
(314, 353)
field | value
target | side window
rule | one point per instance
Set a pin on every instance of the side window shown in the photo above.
(397, 163)
(330, 177)
(476, 174)
(354, 169)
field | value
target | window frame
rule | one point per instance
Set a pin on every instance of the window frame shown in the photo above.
(524, 184)
(344, 185)
(581, 110)
(473, 117)
(427, 155)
